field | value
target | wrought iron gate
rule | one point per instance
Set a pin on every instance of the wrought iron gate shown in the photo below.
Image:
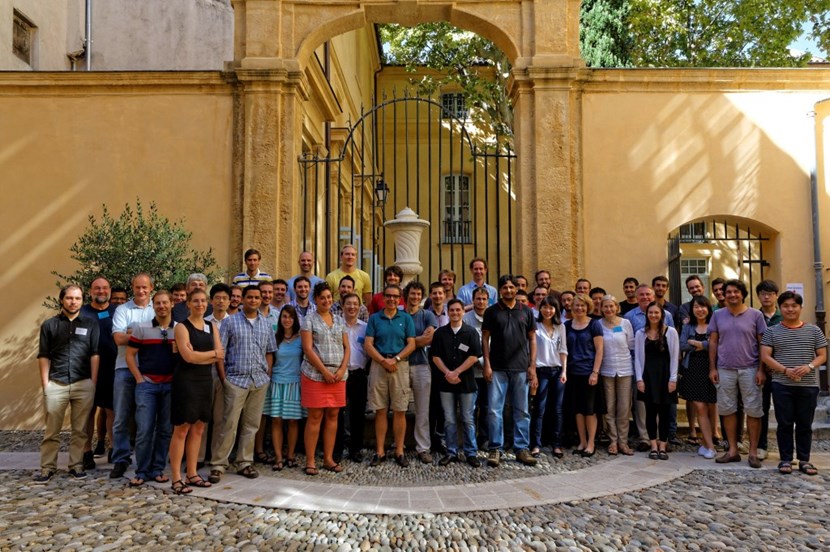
(743, 242)
(427, 157)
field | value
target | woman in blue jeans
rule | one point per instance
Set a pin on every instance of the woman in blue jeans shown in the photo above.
(551, 364)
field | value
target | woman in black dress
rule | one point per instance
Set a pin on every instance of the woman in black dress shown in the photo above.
(656, 357)
(199, 348)
(695, 385)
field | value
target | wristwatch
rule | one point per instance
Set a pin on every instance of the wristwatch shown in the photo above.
(397, 358)
(810, 365)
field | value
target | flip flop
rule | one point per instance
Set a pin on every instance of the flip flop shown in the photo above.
(311, 470)
(290, 462)
(278, 466)
(337, 468)
(807, 468)
(137, 482)
(161, 479)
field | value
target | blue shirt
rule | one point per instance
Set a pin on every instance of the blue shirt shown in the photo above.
(465, 294)
(581, 349)
(390, 334)
(422, 319)
(246, 343)
(287, 365)
(314, 280)
(638, 319)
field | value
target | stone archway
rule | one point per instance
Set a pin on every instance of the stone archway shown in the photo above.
(273, 39)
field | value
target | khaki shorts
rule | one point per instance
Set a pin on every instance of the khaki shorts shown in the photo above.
(730, 381)
(389, 390)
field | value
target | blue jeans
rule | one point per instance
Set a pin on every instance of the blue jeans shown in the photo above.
(550, 387)
(467, 403)
(503, 383)
(153, 428)
(794, 406)
(123, 402)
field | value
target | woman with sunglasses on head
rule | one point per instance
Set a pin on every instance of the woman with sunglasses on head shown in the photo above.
(325, 342)
(199, 347)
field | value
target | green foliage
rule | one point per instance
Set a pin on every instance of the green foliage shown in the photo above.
(603, 33)
(135, 241)
(459, 58)
(723, 33)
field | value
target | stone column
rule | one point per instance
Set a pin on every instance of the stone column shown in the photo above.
(270, 103)
(406, 229)
(547, 122)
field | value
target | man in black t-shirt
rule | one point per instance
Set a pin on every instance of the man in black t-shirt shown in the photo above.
(508, 336)
(455, 349)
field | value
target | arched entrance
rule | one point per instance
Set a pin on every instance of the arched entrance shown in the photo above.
(721, 247)
(273, 42)
(419, 153)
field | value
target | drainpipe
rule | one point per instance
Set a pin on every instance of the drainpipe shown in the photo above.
(327, 165)
(818, 265)
(88, 37)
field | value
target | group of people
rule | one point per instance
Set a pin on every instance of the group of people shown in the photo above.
(235, 358)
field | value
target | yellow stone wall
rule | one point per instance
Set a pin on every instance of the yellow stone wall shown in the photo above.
(663, 148)
(74, 141)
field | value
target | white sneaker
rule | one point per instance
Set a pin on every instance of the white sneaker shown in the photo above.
(762, 454)
(702, 451)
(708, 453)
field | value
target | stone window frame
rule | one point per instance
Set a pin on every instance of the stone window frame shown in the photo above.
(24, 38)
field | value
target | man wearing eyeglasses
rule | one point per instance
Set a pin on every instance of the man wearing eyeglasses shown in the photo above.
(150, 361)
(390, 339)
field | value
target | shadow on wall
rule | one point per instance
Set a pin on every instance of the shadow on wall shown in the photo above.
(21, 402)
(663, 159)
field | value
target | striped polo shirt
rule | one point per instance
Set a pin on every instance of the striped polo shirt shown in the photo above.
(794, 347)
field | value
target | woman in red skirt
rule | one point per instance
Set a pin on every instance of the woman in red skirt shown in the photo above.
(323, 381)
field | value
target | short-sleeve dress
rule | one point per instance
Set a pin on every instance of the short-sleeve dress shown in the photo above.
(192, 389)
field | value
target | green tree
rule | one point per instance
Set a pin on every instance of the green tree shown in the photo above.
(723, 33)
(458, 57)
(603, 33)
(135, 241)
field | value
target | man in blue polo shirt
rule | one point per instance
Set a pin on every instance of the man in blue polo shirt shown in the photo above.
(390, 339)
(478, 268)
(508, 335)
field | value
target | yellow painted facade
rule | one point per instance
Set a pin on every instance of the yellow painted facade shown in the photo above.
(609, 162)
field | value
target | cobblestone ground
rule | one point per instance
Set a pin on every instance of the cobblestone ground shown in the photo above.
(705, 510)
(729, 510)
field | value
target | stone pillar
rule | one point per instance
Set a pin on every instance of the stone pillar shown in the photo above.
(547, 119)
(270, 103)
(406, 229)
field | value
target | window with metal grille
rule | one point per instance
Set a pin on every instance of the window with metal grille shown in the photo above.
(694, 232)
(457, 226)
(699, 267)
(453, 105)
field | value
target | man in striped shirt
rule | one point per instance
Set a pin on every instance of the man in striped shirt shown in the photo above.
(252, 276)
(793, 352)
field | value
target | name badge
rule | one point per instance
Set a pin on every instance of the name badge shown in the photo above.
(274, 327)
(103, 314)
(80, 331)
(463, 348)
(361, 340)
(618, 329)
(207, 327)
